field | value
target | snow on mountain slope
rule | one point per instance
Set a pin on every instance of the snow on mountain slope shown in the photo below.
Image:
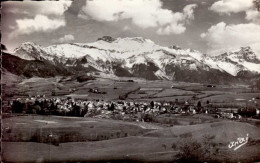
(120, 49)
(74, 51)
(212, 64)
(127, 45)
(162, 75)
(129, 52)
(243, 59)
(228, 67)
(252, 66)
(26, 48)
(32, 51)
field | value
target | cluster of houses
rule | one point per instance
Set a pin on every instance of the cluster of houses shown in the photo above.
(96, 90)
(124, 110)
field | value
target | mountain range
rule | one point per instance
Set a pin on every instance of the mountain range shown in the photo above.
(132, 57)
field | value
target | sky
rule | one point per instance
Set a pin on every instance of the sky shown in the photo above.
(210, 26)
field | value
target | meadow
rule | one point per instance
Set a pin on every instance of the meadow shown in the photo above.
(74, 139)
(139, 90)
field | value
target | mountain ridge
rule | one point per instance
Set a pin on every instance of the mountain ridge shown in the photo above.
(134, 55)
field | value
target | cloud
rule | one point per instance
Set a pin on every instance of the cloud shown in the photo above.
(38, 7)
(143, 13)
(222, 37)
(236, 6)
(253, 16)
(188, 11)
(52, 7)
(39, 16)
(40, 23)
(231, 6)
(177, 24)
(17, 11)
(65, 38)
(172, 28)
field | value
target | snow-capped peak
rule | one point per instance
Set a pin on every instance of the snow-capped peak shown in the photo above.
(137, 39)
(244, 53)
(130, 51)
(247, 54)
(243, 59)
(28, 51)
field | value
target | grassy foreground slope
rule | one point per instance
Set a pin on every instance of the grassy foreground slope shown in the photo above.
(35, 128)
(223, 132)
(144, 142)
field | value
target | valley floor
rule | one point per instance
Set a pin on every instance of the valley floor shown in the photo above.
(134, 89)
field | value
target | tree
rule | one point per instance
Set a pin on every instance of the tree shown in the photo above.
(199, 107)
(112, 107)
(191, 152)
(199, 104)
(176, 101)
(152, 104)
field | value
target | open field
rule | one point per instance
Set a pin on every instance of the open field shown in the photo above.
(141, 90)
(38, 128)
(144, 142)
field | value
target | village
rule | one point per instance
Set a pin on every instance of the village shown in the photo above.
(125, 110)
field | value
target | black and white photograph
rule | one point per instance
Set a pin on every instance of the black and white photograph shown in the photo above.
(130, 81)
